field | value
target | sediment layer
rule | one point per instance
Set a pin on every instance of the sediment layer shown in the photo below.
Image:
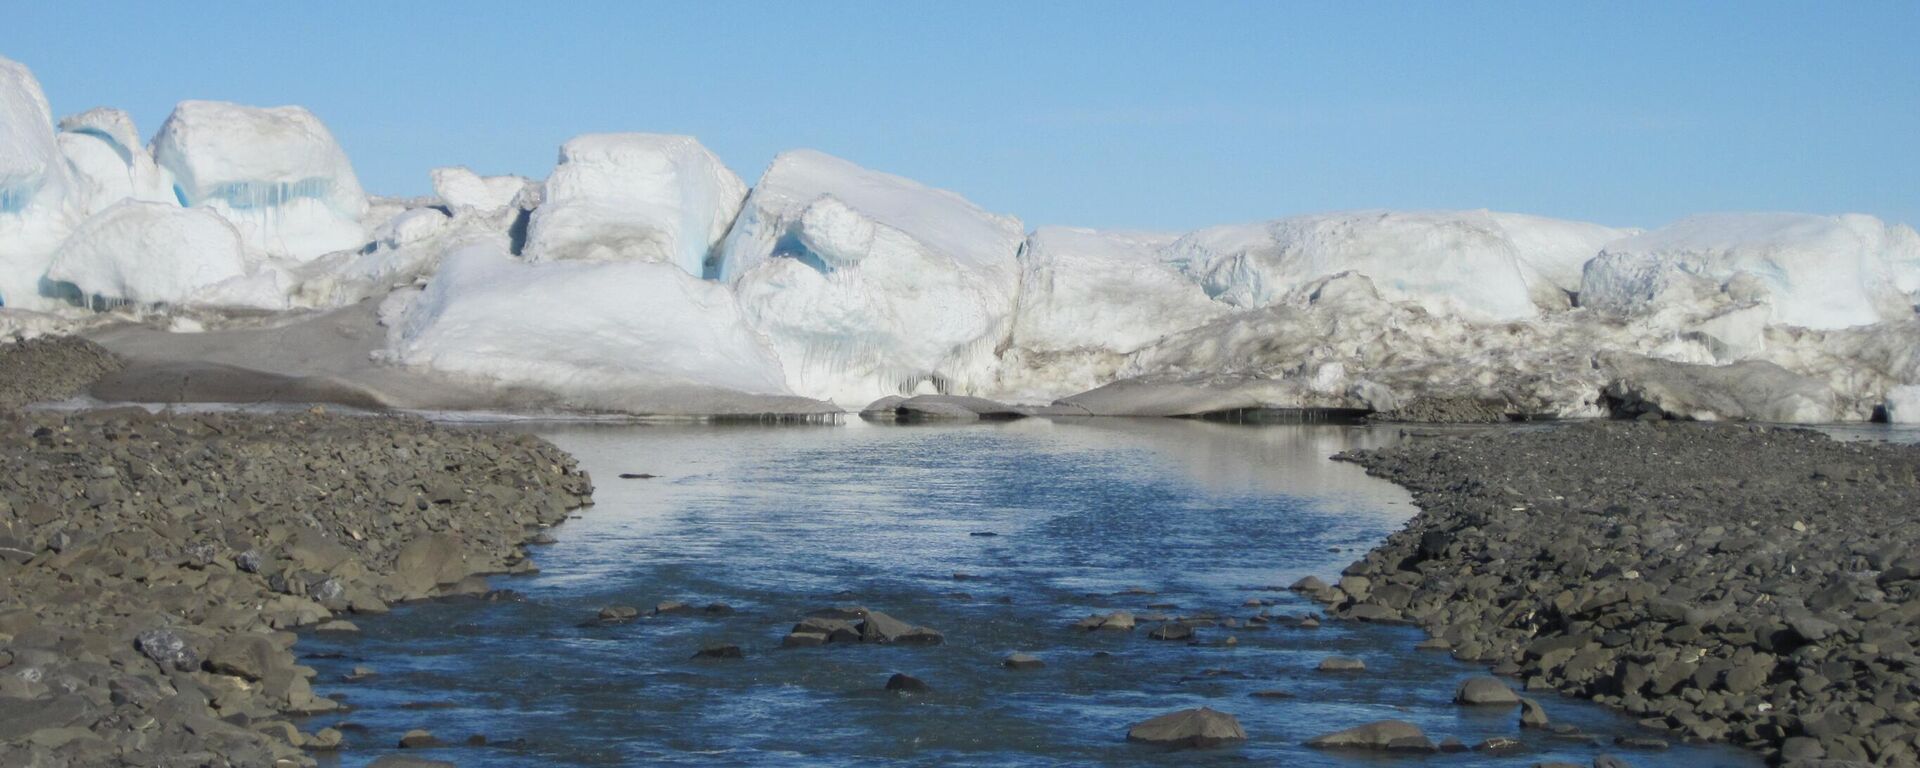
(1747, 583)
(152, 565)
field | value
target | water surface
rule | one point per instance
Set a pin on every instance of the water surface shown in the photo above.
(777, 521)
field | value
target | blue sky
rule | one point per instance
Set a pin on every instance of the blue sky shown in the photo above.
(1135, 115)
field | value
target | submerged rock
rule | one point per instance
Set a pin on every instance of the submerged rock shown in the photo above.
(905, 683)
(1384, 735)
(1197, 728)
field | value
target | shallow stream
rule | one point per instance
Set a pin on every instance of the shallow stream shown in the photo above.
(778, 521)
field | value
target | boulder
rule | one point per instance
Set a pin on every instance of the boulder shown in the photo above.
(1487, 691)
(1384, 735)
(1198, 728)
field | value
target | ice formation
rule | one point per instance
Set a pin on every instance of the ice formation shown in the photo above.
(1461, 263)
(869, 284)
(1087, 299)
(643, 276)
(464, 191)
(1903, 404)
(103, 149)
(1553, 252)
(591, 331)
(36, 202)
(153, 253)
(275, 172)
(1811, 271)
(635, 197)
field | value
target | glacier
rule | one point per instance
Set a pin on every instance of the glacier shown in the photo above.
(869, 284)
(276, 173)
(1089, 298)
(601, 333)
(103, 149)
(1811, 271)
(154, 253)
(37, 204)
(635, 197)
(641, 275)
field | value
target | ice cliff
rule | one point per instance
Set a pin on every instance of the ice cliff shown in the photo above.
(643, 275)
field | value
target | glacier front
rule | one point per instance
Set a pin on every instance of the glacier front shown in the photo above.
(868, 284)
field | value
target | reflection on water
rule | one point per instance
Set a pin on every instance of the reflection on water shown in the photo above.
(778, 521)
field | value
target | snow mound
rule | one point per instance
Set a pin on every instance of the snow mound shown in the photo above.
(276, 173)
(103, 148)
(36, 209)
(464, 191)
(154, 253)
(635, 197)
(1088, 298)
(1553, 252)
(590, 331)
(869, 284)
(1903, 404)
(1465, 263)
(1812, 271)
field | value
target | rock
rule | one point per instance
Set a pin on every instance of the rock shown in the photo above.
(251, 657)
(1384, 735)
(804, 639)
(1341, 664)
(1532, 715)
(720, 651)
(636, 476)
(324, 739)
(417, 739)
(1271, 694)
(1171, 632)
(671, 607)
(337, 625)
(1609, 761)
(402, 761)
(1118, 621)
(1022, 661)
(168, 648)
(1485, 691)
(428, 562)
(619, 613)
(1191, 728)
(904, 683)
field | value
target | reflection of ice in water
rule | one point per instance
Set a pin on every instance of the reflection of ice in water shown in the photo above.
(779, 521)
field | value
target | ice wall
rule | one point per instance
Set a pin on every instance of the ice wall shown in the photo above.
(1088, 298)
(1811, 271)
(150, 253)
(869, 284)
(635, 197)
(37, 205)
(583, 330)
(1456, 263)
(276, 173)
(109, 164)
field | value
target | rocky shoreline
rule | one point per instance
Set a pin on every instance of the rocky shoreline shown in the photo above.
(1724, 582)
(151, 567)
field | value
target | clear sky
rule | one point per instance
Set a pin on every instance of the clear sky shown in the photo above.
(1135, 115)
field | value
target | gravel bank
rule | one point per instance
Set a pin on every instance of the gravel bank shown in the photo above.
(50, 368)
(151, 567)
(1754, 584)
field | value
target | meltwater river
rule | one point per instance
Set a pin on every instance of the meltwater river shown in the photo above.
(1083, 516)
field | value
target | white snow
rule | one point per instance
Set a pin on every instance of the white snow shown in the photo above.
(36, 201)
(464, 191)
(1553, 252)
(635, 197)
(104, 151)
(151, 253)
(276, 173)
(586, 330)
(1462, 263)
(1903, 404)
(1086, 299)
(869, 284)
(1812, 271)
